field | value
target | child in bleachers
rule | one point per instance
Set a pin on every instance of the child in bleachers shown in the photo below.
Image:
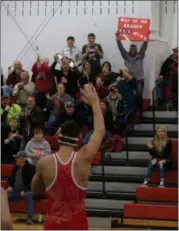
(37, 147)
(11, 140)
(160, 149)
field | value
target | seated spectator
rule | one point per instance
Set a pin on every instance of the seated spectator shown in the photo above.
(108, 120)
(11, 140)
(86, 75)
(37, 147)
(160, 149)
(118, 106)
(9, 110)
(5, 90)
(31, 118)
(101, 89)
(19, 183)
(107, 76)
(24, 89)
(57, 102)
(69, 78)
(93, 52)
(14, 74)
(72, 112)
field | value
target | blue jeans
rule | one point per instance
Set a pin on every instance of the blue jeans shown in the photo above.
(139, 87)
(7, 91)
(15, 195)
(51, 121)
(88, 135)
(151, 168)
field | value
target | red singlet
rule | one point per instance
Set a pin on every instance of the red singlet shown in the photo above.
(67, 199)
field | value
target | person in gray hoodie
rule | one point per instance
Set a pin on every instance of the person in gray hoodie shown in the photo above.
(37, 147)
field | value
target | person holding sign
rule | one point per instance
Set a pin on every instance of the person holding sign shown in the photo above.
(133, 60)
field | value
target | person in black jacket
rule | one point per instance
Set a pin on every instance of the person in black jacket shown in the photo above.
(108, 120)
(160, 149)
(19, 183)
(31, 118)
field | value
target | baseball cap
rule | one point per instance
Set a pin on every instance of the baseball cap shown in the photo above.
(69, 104)
(21, 154)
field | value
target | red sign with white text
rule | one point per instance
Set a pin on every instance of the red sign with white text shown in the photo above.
(133, 29)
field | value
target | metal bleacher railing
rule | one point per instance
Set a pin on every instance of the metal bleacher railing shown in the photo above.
(129, 121)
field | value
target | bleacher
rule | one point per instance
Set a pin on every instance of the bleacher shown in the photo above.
(115, 192)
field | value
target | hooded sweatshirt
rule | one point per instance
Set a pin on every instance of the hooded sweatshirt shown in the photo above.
(35, 148)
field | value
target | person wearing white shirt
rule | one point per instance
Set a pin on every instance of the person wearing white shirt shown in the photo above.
(24, 89)
(72, 52)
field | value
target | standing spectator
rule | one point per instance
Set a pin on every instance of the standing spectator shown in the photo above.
(134, 62)
(69, 78)
(14, 75)
(24, 89)
(71, 51)
(160, 149)
(93, 52)
(31, 118)
(57, 102)
(108, 120)
(107, 76)
(37, 147)
(19, 183)
(86, 75)
(11, 140)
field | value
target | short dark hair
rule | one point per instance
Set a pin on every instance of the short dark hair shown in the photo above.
(38, 130)
(133, 45)
(71, 38)
(91, 35)
(70, 129)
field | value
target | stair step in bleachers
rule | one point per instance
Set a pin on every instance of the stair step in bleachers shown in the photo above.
(157, 194)
(151, 211)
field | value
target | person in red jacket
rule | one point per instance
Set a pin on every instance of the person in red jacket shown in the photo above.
(64, 175)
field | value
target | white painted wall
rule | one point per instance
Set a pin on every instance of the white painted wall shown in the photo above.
(62, 24)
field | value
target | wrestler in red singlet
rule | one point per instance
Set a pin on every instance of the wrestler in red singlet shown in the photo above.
(64, 175)
(67, 198)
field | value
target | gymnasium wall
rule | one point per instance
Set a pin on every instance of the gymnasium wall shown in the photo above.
(31, 27)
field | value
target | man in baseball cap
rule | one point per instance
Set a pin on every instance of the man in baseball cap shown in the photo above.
(19, 183)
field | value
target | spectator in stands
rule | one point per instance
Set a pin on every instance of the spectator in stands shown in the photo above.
(108, 120)
(31, 118)
(9, 110)
(5, 90)
(11, 140)
(57, 102)
(125, 88)
(71, 51)
(134, 62)
(86, 75)
(119, 108)
(19, 183)
(107, 76)
(14, 75)
(71, 112)
(160, 148)
(37, 147)
(68, 77)
(101, 89)
(93, 52)
(24, 89)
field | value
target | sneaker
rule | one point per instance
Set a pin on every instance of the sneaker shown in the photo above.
(161, 184)
(29, 221)
(146, 181)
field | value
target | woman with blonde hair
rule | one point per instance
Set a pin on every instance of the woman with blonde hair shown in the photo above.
(160, 148)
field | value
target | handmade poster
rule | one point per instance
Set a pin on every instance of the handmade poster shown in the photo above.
(133, 29)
